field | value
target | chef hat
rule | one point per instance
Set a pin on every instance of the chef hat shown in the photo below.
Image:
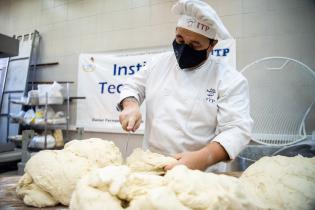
(199, 17)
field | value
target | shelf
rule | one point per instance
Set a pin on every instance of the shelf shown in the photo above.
(44, 64)
(51, 82)
(19, 102)
(49, 126)
(16, 138)
(38, 126)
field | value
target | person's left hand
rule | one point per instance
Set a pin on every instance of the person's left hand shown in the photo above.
(193, 160)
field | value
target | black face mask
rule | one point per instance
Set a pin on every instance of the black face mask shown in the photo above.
(188, 57)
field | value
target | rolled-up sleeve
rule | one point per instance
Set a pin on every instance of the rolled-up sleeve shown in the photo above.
(134, 87)
(234, 121)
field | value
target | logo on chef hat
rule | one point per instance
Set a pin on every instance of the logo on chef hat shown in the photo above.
(190, 22)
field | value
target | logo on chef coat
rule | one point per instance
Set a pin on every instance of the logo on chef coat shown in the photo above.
(210, 95)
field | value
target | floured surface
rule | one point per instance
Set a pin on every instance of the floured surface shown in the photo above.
(56, 172)
(283, 182)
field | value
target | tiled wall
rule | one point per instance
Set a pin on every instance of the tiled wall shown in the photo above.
(68, 27)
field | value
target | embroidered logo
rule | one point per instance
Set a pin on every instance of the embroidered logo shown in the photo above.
(190, 22)
(210, 95)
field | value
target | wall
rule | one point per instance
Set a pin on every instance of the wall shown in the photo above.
(68, 27)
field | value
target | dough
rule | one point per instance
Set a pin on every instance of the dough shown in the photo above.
(180, 188)
(283, 182)
(32, 194)
(138, 184)
(56, 172)
(199, 190)
(97, 190)
(99, 152)
(161, 198)
(146, 161)
(116, 182)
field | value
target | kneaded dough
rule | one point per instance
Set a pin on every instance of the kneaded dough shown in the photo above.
(270, 184)
(32, 194)
(138, 184)
(161, 198)
(98, 152)
(199, 190)
(56, 172)
(117, 181)
(149, 162)
(97, 190)
(283, 182)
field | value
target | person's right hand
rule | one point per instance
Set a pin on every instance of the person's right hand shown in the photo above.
(130, 118)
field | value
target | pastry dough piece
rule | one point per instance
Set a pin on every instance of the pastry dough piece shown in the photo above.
(57, 172)
(138, 184)
(99, 152)
(283, 182)
(161, 198)
(198, 190)
(146, 161)
(95, 191)
(32, 194)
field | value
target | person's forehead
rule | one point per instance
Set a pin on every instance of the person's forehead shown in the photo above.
(189, 34)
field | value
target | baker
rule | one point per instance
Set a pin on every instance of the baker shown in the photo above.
(197, 108)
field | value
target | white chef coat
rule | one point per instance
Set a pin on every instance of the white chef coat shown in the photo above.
(185, 110)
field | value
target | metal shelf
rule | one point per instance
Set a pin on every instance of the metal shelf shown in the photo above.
(65, 99)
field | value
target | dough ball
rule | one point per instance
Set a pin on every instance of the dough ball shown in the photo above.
(146, 161)
(33, 195)
(138, 184)
(93, 191)
(100, 152)
(198, 190)
(283, 182)
(57, 172)
(161, 198)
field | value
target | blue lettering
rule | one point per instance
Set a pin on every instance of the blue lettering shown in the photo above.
(111, 88)
(217, 51)
(102, 86)
(127, 70)
(139, 66)
(226, 51)
(120, 68)
(118, 87)
(114, 69)
(132, 71)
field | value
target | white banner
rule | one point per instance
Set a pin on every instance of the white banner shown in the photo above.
(101, 76)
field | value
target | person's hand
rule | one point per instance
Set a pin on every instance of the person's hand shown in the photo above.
(130, 118)
(193, 160)
(203, 158)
